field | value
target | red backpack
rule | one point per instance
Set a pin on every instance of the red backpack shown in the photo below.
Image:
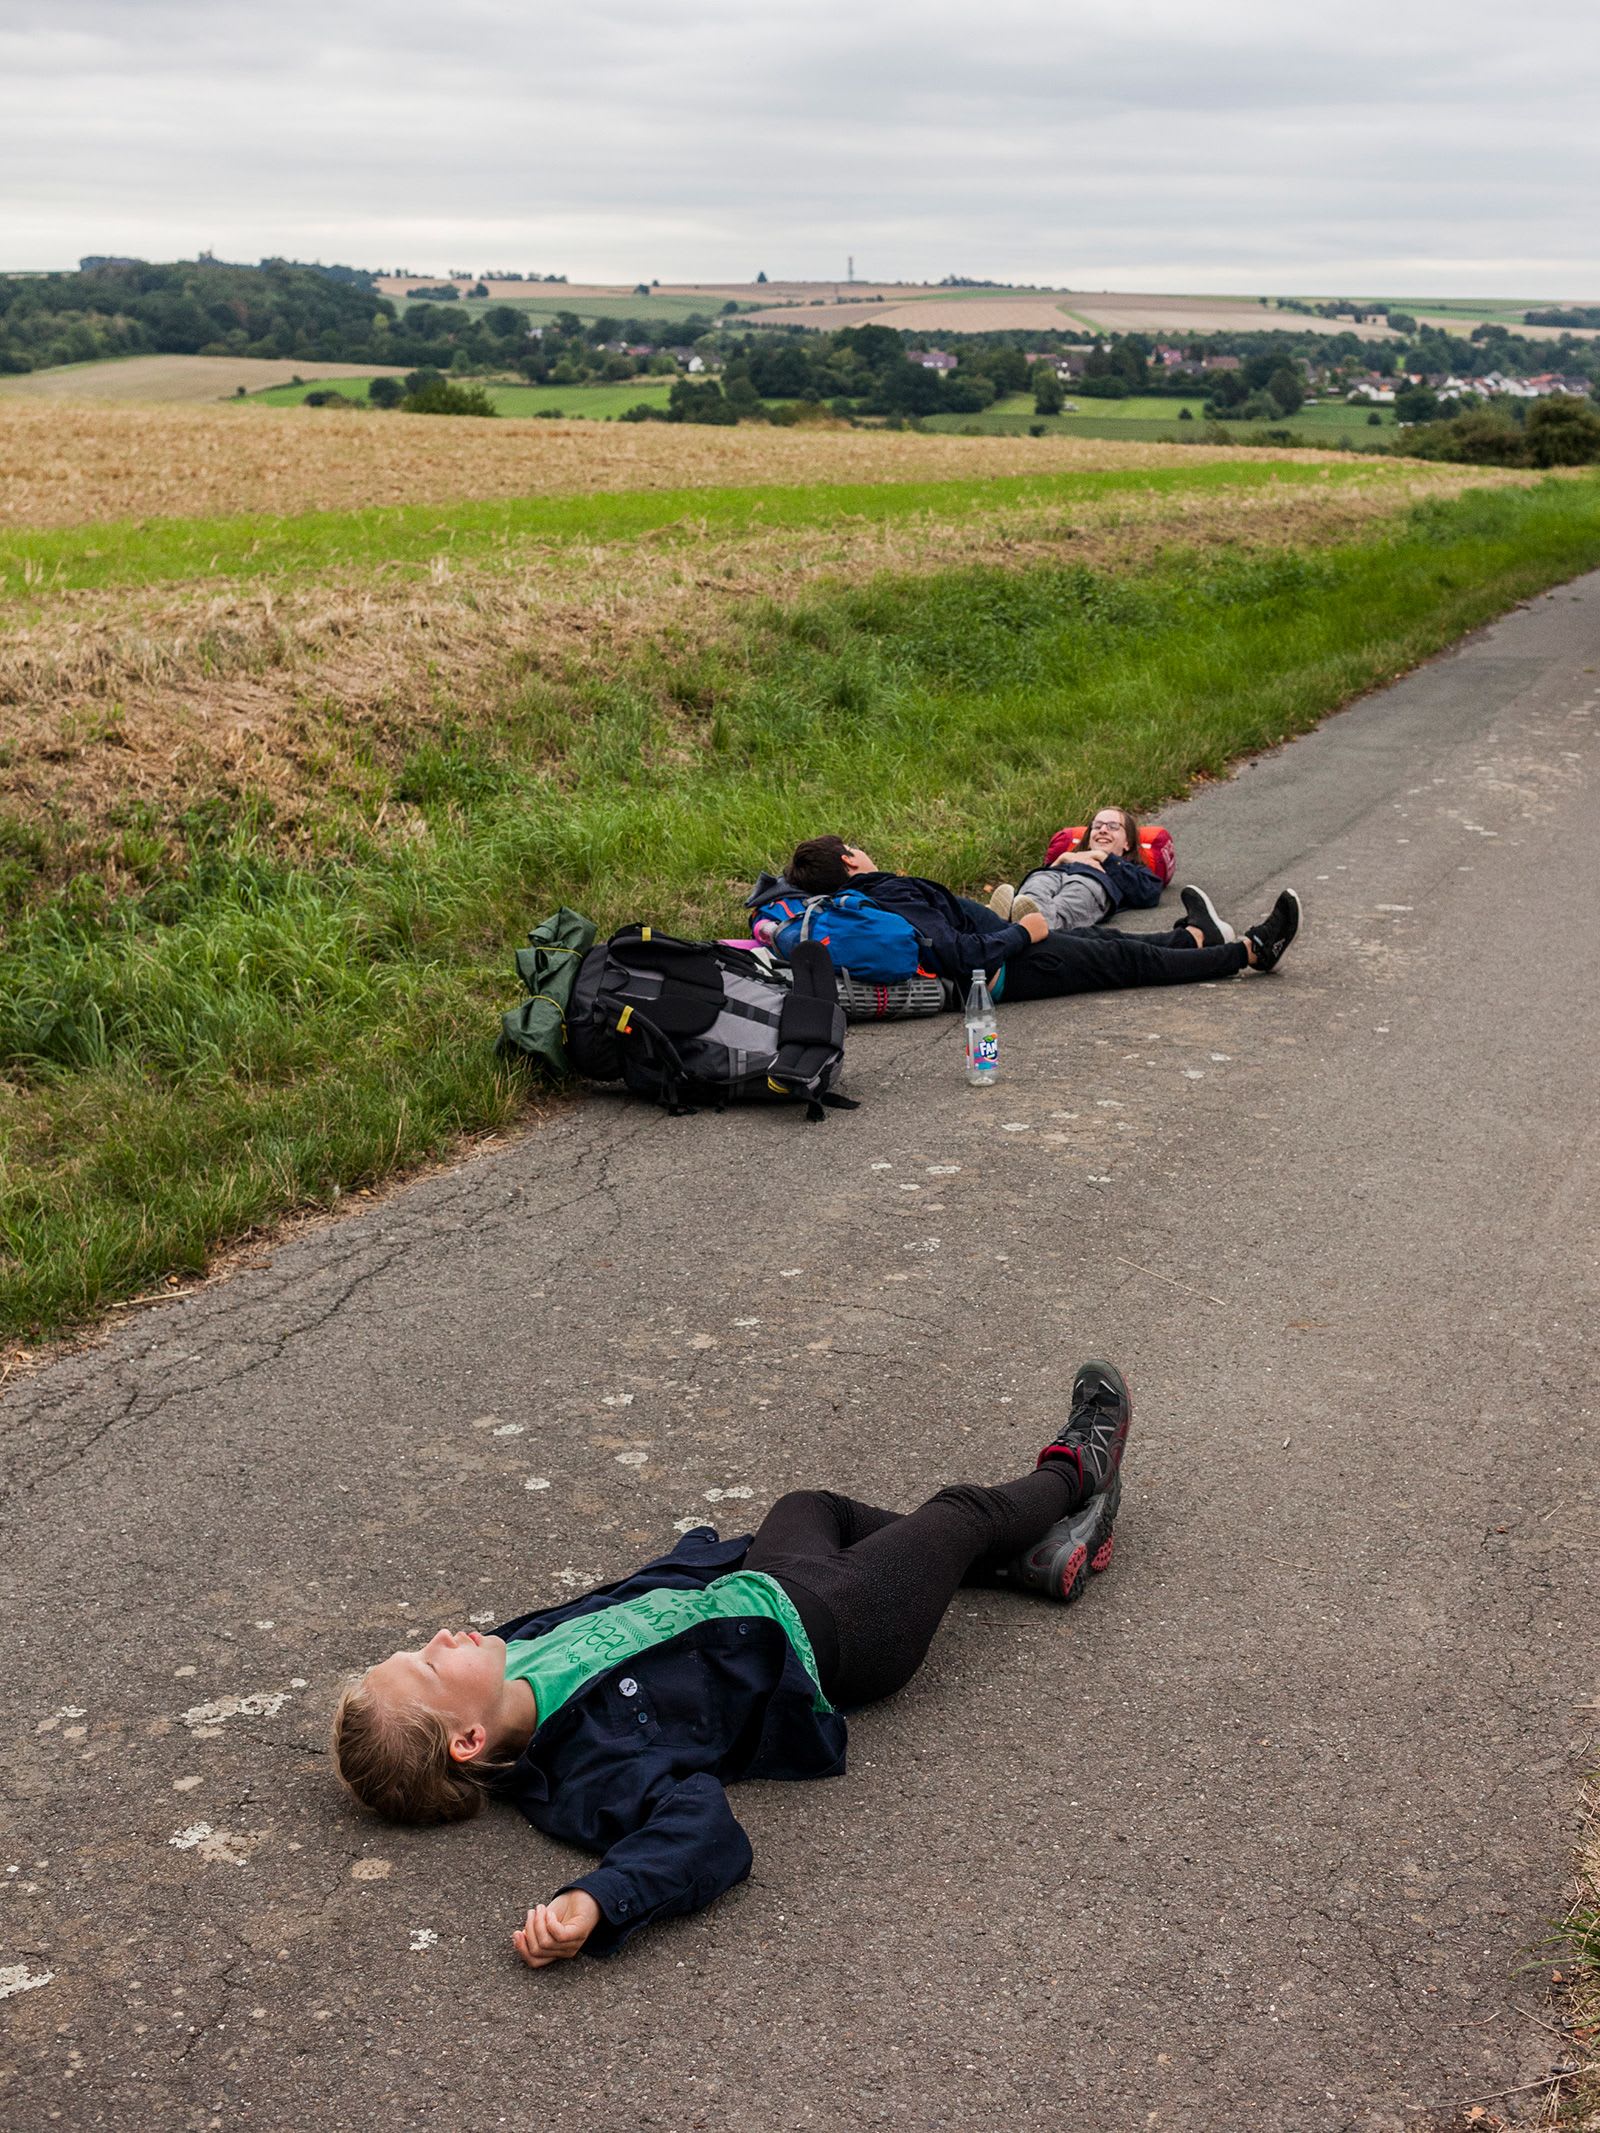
(1156, 849)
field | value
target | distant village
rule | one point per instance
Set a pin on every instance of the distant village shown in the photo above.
(1344, 380)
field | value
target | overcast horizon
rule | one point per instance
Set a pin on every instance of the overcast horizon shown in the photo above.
(1143, 152)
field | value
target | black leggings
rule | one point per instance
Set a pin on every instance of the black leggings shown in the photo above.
(872, 1586)
(1099, 959)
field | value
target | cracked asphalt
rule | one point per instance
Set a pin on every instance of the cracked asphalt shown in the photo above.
(1257, 1836)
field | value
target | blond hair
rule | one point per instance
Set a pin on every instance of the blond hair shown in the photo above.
(395, 1758)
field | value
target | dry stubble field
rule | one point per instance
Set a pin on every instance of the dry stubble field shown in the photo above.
(297, 684)
(1058, 311)
(66, 466)
(165, 380)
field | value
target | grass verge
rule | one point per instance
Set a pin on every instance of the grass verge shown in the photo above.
(251, 1034)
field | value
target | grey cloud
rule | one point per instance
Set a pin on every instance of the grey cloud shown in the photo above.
(1244, 148)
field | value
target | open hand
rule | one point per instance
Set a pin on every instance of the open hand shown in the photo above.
(553, 1931)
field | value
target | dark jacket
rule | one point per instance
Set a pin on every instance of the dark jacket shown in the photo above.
(633, 1767)
(958, 937)
(1132, 885)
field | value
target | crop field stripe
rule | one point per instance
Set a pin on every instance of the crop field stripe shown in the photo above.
(155, 551)
(576, 401)
(270, 1034)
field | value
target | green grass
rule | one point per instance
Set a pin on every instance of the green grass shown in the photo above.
(653, 310)
(175, 550)
(256, 1035)
(1149, 418)
(594, 403)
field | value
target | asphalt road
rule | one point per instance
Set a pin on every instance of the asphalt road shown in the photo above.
(1255, 1836)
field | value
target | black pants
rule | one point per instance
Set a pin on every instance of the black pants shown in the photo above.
(1099, 959)
(872, 1586)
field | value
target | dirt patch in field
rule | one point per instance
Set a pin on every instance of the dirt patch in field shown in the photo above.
(312, 694)
(172, 380)
(65, 466)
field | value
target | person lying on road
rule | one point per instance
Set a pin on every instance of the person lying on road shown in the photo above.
(1025, 960)
(615, 1721)
(1098, 874)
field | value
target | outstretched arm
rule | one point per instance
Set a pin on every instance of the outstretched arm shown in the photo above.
(555, 1930)
(690, 1850)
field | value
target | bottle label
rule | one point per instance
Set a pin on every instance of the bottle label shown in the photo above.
(984, 1051)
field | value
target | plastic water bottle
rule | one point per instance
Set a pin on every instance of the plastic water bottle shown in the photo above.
(983, 1035)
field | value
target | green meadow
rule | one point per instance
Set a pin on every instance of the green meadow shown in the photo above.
(584, 403)
(1150, 418)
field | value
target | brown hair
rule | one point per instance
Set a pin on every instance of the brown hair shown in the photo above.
(395, 1758)
(818, 867)
(1130, 830)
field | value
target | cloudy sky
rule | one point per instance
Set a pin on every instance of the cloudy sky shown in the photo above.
(1417, 149)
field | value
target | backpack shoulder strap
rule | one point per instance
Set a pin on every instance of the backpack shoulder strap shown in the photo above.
(811, 1033)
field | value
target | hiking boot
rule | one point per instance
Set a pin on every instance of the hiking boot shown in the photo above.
(1201, 913)
(1061, 1561)
(1000, 902)
(1097, 1428)
(1272, 936)
(1022, 907)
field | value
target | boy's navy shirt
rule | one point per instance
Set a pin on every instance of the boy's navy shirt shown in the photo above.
(634, 1765)
(959, 937)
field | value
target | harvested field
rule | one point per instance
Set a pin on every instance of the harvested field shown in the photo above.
(1205, 314)
(395, 287)
(310, 693)
(170, 380)
(66, 467)
(1462, 323)
(1059, 311)
(946, 313)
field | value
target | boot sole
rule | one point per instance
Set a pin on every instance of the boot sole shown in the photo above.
(1076, 1548)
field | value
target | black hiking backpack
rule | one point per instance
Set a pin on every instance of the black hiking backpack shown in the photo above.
(694, 1022)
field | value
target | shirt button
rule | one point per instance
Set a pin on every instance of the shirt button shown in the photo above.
(644, 1718)
(628, 1685)
(744, 1629)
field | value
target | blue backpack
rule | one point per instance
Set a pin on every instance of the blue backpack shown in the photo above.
(859, 935)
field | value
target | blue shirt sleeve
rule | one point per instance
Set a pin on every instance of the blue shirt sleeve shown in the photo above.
(690, 1850)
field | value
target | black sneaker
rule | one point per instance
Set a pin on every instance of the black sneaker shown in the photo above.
(1275, 931)
(1061, 1561)
(1200, 911)
(1097, 1428)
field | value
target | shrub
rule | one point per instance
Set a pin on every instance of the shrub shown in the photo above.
(1563, 432)
(1479, 439)
(443, 398)
(700, 401)
(386, 392)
